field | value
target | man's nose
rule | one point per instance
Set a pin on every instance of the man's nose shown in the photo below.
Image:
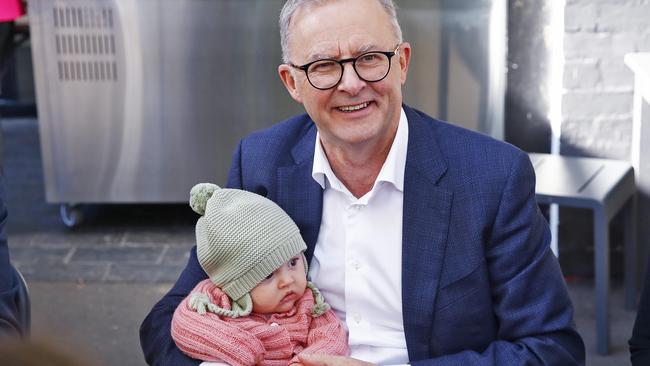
(350, 81)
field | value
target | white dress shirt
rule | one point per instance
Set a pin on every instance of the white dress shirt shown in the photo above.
(357, 261)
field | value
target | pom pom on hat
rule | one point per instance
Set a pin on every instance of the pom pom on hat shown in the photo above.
(199, 196)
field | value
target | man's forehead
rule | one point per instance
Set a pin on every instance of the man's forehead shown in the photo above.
(335, 49)
(339, 29)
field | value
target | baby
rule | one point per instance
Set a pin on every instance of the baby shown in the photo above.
(257, 307)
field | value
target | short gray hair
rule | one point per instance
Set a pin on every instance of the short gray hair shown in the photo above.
(291, 6)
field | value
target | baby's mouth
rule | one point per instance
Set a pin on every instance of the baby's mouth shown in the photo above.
(288, 297)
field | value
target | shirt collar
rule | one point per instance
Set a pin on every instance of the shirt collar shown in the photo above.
(392, 171)
(321, 168)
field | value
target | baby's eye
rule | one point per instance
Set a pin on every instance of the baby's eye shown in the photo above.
(269, 276)
(293, 262)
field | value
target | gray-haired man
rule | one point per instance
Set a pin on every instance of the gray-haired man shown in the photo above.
(424, 237)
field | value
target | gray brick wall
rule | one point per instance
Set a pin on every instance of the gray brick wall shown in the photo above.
(597, 104)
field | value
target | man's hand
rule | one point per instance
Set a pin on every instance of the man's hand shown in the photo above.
(327, 360)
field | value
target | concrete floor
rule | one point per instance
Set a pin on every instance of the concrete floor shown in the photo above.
(101, 321)
(92, 286)
(582, 295)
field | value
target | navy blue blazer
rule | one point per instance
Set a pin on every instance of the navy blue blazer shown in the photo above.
(640, 340)
(480, 285)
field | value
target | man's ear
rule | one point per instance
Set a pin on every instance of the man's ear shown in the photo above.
(404, 60)
(289, 80)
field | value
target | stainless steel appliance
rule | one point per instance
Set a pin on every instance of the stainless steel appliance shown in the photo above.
(140, 99)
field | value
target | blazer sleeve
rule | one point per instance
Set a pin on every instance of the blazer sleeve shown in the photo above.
(531, 301)
(326, 336)
(155, 331)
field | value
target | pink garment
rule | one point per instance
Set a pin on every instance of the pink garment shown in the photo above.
(256, 339)
(10, 10)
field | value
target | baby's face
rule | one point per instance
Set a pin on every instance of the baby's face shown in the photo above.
(280, 291)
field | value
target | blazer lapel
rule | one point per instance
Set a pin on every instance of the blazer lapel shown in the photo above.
(425, 225)
(299, 194)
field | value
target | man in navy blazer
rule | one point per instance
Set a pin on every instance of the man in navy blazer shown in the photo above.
(477, 282)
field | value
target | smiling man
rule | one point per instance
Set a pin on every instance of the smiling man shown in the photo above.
(425, 238)
(347, 52)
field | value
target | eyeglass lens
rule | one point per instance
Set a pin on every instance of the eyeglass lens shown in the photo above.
(372, 66)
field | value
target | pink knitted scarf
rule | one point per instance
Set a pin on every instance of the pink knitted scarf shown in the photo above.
(257, 339)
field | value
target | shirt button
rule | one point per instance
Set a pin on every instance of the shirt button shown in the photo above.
(357, 318)
(274, 324)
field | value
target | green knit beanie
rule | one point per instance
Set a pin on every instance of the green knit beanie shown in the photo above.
(241, 238)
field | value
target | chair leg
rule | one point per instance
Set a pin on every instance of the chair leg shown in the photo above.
(601, 239)
(631, 255)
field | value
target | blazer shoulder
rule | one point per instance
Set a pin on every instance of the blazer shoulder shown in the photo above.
(275, 145)
(457, 143)
(289, 129)
(466, 155)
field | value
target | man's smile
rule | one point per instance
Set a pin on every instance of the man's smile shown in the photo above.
(353, 108)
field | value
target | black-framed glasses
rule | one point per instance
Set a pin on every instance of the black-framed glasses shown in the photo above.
(371, 66)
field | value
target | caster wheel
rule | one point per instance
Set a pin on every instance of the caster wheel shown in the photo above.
(71, 215)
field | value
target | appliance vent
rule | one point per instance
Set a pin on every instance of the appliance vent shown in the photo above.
(87, 70)
(85, 44)
(88, 44)
(82, 17)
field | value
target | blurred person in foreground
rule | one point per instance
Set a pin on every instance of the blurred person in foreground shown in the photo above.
(10, 282)
(640, 340)
(37, 353)
(10, 10)
(10, 324)
(425, 238)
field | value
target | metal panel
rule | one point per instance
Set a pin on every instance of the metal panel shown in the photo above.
(139, 100)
